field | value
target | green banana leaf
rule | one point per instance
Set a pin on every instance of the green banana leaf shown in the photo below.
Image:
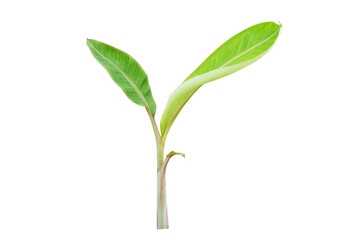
(238, 52)
(125, 72)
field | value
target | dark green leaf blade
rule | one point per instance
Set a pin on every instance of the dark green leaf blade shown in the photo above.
(125, 72)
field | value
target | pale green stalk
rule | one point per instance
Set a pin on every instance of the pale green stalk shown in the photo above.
(162, 216)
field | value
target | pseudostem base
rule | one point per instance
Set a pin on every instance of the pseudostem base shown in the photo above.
(162, 214)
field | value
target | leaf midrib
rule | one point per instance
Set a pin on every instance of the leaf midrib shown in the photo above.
(253, 47)
(127, 78)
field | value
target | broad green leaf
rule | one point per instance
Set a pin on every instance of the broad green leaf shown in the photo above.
(238, 52)
(125, 72)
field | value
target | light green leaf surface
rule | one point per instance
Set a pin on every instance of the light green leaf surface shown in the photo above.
(238, 52)
(125, 72)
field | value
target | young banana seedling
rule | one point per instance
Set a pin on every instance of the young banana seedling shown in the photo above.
(238, 52)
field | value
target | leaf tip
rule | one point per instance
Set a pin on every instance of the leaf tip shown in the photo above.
(88, 41)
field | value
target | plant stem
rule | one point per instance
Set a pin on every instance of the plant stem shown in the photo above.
(159, 143)
(162, 216)
(162, 213)
(162, 219)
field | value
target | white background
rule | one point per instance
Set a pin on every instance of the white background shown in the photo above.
(272, 151)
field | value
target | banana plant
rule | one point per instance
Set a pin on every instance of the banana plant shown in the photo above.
(238, 52)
